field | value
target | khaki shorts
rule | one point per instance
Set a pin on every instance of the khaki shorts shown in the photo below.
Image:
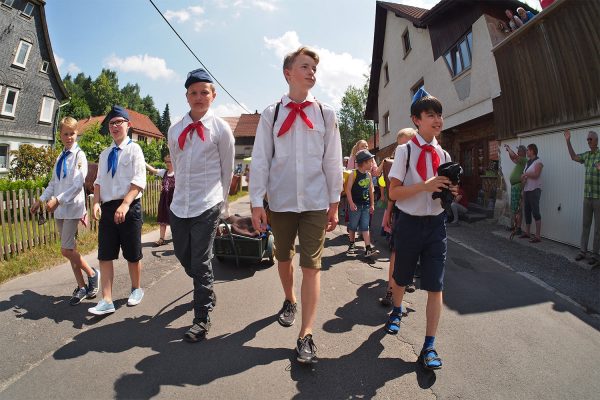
(309, 226)
(68, 232)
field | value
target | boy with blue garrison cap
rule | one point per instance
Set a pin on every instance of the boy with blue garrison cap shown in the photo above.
(202, 152)
(420, 226)
(117, 192)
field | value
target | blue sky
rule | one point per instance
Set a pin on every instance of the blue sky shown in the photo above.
(242, 42)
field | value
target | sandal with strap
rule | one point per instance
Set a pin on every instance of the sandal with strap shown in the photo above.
(159, 242)
(197, 332)
(430, 359)
(392, 326)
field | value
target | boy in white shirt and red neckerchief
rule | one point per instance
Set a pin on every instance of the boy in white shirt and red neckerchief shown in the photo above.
(66, 195)
(420, 227)
(297, 164)
(117, 193)
(202, 151)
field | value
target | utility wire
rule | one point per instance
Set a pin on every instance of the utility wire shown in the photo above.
(194, 54)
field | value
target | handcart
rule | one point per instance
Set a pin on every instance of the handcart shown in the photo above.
(244, 249)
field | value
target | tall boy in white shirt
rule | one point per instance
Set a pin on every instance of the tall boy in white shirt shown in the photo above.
(297, 164)
(202, 151)
(117, 192)
(66, 197)
(420, 226)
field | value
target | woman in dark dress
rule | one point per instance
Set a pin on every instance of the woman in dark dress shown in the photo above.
(166, 196)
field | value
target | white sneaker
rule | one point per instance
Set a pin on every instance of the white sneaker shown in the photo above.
(135, 297)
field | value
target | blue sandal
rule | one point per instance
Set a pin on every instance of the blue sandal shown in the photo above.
(430, 359)
(392, 326)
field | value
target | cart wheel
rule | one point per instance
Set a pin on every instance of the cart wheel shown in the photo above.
(269, 249)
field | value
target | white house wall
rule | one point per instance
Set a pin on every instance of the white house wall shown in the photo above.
(562, 181)
(482, 79)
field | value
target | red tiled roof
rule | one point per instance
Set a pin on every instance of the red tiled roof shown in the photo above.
(246, 126)
(408, 12)
(232, 121)
(140, 124)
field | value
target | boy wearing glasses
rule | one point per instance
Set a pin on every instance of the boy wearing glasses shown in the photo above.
(117, 192)
(202, 152)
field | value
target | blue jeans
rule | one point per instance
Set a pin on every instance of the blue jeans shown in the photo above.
(359, 219)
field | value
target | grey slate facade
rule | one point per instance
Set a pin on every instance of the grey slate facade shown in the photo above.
(31, 89)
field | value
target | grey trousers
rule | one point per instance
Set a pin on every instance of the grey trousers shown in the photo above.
(193, 242)
(591, 210)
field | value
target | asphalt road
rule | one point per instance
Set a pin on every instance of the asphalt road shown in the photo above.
(505, 333)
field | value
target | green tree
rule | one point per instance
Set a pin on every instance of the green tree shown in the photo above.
(132, 98)
(152, 150)
(92, 142)
(77, 108)
(165, 121)
(150, 110)
(353, 126)
(104, 92)
(30, 162)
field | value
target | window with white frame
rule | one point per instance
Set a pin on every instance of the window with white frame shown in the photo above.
(9, 104)
(458, 58)
(420, 84)
(22, 53)
(8, 3)
(45, 65)
(386, 123)
(47, 109)
(28, 10)
(3, 156)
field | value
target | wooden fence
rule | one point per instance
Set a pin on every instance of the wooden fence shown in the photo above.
(20, 231)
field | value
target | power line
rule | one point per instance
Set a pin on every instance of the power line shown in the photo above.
(194, 54)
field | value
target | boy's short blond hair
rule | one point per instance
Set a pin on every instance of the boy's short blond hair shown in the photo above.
(69, 122)
(406, 133)
(291, 57)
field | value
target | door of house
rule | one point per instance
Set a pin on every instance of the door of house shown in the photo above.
(472, 159)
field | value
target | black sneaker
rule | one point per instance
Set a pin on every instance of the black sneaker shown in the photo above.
(387, 300)
(93, 284)
(306, 350)
(371, 252)
(287, 315)
(197, 332)
(351, 249)
(78, 295)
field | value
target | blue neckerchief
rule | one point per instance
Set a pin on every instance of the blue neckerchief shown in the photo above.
(61, 165)
(113, 159)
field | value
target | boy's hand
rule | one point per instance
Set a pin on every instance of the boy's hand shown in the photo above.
(567, 135)
(97, 211)
(454, 191)
(352, 206)
(35, 207)
(121, 213)
(386, 223)
(371, 209)
(259, 219)
(52, 204)
(332, 218)
(436, 184)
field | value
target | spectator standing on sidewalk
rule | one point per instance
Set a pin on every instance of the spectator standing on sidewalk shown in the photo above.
(117, 193)
(591, 196)
(516, 188)
(420, 230)
(297, 163)
(532, 190)
(166, 196)
(65, 196)
(202, 151)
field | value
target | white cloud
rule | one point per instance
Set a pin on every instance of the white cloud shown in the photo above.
(228, 110)
(184, 14)
(264, 5)
(73, 69)
(59, 60)
(152, 67)
(336, 71)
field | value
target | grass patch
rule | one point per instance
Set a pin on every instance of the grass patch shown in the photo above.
(49, 256)
(239, 194)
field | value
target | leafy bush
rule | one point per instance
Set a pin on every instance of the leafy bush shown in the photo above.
(30, 162)
(7, 184)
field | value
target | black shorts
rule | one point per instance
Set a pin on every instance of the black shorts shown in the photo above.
(126, 236)
(420, 238)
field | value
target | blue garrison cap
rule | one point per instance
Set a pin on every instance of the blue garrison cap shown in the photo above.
(419, 95)
(117, 111)
(197, 75)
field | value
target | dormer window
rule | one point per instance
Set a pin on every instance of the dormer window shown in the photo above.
(28, 10)
(45, 65)
(458, 58)
(22, 54)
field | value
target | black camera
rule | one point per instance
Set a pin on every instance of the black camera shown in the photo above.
(452, 171)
